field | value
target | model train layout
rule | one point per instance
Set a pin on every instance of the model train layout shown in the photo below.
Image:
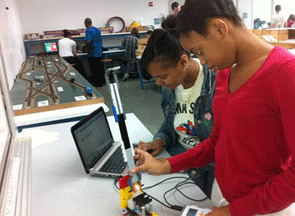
(48, 83)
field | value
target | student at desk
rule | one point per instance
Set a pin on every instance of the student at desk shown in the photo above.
(187, 94)
(253, 139)
(130, 44)
(94, 49)
(67, 49)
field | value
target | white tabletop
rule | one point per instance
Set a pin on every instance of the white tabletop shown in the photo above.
(55, 115)
(61, 186)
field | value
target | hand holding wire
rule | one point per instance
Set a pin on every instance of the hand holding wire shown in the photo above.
(147, 163)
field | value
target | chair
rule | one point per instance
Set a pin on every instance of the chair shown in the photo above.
(142, 81)
(113, 71)
(107, 63)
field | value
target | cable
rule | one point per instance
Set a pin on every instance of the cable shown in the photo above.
(176, 177)
(115, 182)
(176, 187)
(200, 200)
(179, 185)
(174, 207)
(149, 187)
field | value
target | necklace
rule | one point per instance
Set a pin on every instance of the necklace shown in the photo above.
(185, 97)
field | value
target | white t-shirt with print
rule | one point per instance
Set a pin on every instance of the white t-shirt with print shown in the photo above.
(185, 103)
(278, 21)
(67, 47)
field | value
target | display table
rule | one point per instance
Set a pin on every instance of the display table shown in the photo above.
(56, 116)
(61, 186)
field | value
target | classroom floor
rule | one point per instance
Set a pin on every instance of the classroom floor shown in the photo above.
(145, 104)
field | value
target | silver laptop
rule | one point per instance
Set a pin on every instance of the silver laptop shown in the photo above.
(99, 153)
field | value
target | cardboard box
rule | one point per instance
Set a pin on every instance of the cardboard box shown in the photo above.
(140, 28)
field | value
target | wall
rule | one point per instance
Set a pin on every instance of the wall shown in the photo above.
(288, 7)
(262, 10)
(11, 39)
(245, 7)
(38, 16)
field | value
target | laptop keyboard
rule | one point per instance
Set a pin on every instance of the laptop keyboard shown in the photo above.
(115, 164)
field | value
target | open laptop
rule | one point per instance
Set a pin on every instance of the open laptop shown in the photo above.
(99, 153)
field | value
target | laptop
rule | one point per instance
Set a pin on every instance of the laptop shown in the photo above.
(98, 151)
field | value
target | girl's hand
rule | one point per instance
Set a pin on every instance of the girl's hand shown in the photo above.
(147, 163)
(154, 148)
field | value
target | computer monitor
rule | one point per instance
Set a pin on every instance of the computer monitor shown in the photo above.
(50, 47)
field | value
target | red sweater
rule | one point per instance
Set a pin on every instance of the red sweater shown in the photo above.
(252, 139)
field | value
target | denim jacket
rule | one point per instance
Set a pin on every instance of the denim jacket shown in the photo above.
(203, 176)
(204, 126)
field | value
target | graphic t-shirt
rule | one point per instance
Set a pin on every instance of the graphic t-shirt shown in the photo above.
(184, 114)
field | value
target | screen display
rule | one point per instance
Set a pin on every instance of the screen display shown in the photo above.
(50, 47)
(93, 138)
(192, 212)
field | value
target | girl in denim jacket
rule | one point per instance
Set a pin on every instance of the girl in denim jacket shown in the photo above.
(187, 94)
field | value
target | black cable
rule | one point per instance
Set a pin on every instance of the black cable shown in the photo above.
(200, 200)
(146, 188)
(176, 187)
(179, 185)
(171, 190)
(176, 177)
(115, 182)
(173, 207)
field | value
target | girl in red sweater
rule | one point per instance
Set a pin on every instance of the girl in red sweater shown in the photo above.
(253, 139)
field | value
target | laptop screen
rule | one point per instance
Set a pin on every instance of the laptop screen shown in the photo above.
(93, 137)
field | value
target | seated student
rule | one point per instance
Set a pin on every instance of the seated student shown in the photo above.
(187, 94)
(130, 44)
(290, 21)
(253, 139)
(67, 49)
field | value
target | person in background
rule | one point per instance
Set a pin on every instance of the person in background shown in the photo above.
(175, 8)
(67, 49)
(253, 139)
(277, 21)
(149, 33)
(94, 50)
(130, 44)
(290, 21)
(187, 94)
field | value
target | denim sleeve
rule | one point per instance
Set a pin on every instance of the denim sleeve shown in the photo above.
(166, 131)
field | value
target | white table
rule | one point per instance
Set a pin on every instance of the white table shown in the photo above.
(61, 186)
(57, 115)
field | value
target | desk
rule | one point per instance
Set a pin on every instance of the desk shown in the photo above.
(106, 54)
(61, 187)
(34, 47)
(56, 116)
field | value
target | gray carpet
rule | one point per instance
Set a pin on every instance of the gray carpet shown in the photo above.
(145, 104)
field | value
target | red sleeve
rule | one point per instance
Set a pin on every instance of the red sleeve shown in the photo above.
(200, 155)
(279, 192)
